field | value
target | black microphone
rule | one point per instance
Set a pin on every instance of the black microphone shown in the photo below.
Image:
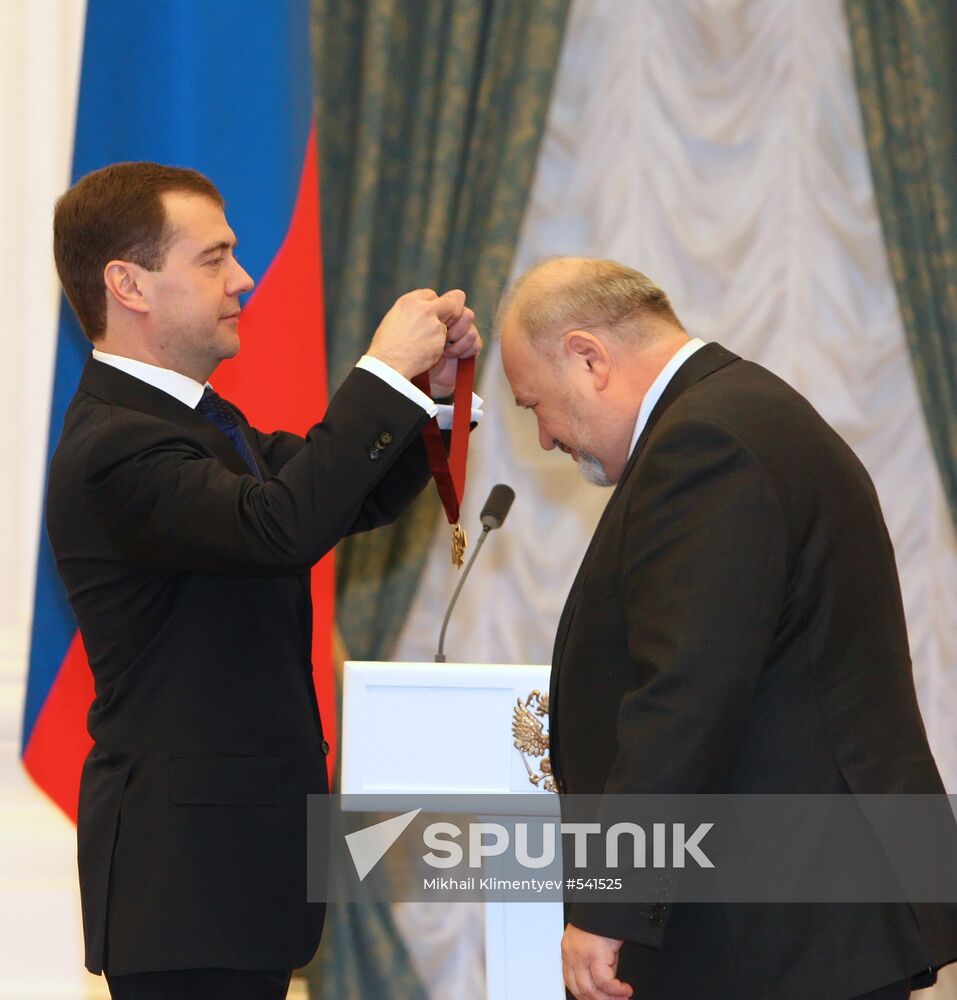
(497, 507)
(493, 516)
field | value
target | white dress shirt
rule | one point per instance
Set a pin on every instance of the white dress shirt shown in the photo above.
(660, 384)
(181, 387)
(189, 391)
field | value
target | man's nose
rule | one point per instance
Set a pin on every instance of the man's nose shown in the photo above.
(240, 281)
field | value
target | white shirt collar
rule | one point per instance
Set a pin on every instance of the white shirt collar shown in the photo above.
(660, 384)
(181, 387)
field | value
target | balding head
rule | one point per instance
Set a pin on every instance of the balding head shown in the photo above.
(559, 294)
(582, 341)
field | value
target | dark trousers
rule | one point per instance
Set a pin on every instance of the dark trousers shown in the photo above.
(200, 984)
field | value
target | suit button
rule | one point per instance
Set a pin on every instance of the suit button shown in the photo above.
(384, 439)
(374, 453)
(658, 914)
(324, 747)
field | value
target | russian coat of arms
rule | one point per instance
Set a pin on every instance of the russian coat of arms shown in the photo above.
(531, 739)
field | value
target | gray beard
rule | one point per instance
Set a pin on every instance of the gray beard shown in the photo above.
(592, 470)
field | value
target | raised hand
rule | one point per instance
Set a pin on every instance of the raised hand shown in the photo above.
(462, 341)
(412, 335)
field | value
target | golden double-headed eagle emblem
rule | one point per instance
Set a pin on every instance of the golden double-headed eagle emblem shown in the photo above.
(531, 739)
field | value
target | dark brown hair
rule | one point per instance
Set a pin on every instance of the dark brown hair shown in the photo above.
(115, 213)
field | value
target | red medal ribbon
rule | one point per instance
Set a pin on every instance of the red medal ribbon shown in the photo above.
(448, 470)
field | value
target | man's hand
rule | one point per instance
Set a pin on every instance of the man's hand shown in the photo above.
(462, 341)
(590, 963)
(412, 335)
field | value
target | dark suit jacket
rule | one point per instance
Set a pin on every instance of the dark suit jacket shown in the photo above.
(737, 626)
(190, 584)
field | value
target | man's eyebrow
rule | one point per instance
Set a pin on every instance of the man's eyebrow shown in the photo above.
(219, 245)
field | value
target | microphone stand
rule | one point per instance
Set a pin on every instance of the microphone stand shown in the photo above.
(440, 653)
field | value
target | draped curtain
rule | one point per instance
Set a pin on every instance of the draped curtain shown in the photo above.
(905, 55)
(430, 116)
(719, 148)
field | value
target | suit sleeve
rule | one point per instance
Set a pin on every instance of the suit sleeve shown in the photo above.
(165, 503)
(278, 447)
(403, 481)
(702, 578)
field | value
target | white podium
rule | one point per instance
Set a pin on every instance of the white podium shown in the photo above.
(447, 729)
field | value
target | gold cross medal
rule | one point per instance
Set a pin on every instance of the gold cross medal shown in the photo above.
(459, 543)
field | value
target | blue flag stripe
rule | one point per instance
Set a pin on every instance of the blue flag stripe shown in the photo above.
(222, 88)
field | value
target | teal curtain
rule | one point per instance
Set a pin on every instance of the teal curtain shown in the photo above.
(430, 117)
(905, 58)
(362, 956)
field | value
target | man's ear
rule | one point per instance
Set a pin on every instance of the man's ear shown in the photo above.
(122, 280)
(588, 356)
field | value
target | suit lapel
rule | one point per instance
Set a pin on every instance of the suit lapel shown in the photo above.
(120, 389)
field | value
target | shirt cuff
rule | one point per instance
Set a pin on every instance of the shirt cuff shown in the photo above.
(444, 416)
(398, 382)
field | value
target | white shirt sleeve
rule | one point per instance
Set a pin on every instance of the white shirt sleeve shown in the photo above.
(444, 416)
(400, 383)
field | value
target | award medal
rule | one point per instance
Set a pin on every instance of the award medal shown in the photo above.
(448, 469)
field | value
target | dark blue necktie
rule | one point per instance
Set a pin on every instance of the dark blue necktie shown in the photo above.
(217, 411)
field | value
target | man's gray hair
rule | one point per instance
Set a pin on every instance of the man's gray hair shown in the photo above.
(566, 293)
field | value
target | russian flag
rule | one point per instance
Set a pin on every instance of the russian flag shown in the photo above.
(225, 89)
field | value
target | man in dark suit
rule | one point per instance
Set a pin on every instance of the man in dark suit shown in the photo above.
(736, 626)
(185, 539)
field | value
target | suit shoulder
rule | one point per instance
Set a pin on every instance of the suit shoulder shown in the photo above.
(98, 434)
(85, 418)
(743, 389)
(91, 417)
(790, 440)
(760, 409)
